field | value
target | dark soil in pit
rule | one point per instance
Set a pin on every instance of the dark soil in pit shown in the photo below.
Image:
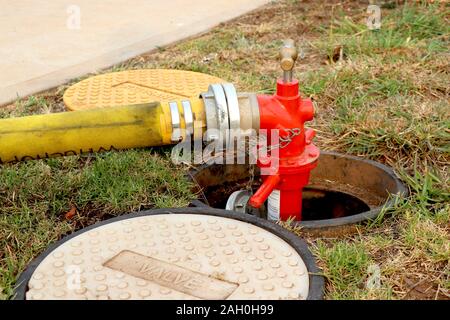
(318, 204)
(326, 204)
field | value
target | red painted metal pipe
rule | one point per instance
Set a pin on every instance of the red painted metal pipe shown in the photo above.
(287, 112)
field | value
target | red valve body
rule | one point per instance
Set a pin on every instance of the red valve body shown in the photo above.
(286, 110)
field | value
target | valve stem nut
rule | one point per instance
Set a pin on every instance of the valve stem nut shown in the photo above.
(288, 56)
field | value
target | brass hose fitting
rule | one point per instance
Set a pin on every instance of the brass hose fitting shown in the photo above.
(288, 56)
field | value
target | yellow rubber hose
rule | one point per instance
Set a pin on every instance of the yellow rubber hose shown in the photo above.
(96, 130)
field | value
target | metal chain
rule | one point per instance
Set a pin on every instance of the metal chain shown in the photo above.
(249, 185)
(292, 133)
(284, 142)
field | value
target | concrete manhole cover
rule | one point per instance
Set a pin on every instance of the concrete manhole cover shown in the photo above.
(170, 256)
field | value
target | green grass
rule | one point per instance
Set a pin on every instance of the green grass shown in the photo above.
(36, 195)
(409, 26)
(386, 100)
(348, 271)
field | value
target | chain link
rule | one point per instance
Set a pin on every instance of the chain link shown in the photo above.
(253, 142)
(249, 185)
(284, 142)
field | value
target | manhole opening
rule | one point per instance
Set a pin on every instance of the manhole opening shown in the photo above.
(318, 204)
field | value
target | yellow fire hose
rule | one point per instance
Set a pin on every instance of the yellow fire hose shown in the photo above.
(70, 133)
(113, 112)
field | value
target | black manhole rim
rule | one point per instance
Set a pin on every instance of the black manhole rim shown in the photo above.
(316, 280)
(335, 223)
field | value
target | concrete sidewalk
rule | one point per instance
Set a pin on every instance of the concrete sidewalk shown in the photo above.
(46, 43)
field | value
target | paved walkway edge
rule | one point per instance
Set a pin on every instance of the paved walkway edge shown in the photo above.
(51, 80)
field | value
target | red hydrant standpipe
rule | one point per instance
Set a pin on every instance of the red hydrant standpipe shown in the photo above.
(286, 112)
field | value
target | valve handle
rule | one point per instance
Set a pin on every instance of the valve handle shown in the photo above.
(288, 56)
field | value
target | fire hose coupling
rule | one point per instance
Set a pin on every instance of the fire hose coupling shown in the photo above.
(227, 111)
